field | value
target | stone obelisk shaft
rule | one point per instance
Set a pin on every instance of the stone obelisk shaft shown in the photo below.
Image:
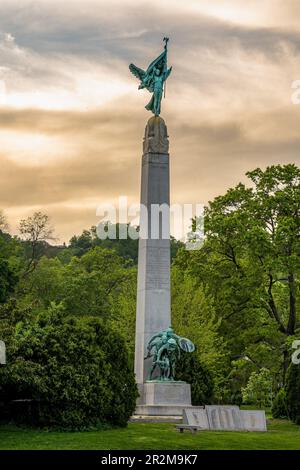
(153, 292)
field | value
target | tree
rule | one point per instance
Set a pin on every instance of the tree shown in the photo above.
(126, 248)
(258, 390)
(3, 223)
(35, 230)
(8, 280)
(279, 407)
(76, 371)
(89, 285)
(250, 260)
(10, 261)
(292, 392)
(194, 317)
(191, 370)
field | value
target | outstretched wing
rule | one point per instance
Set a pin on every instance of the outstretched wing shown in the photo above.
(137, 72)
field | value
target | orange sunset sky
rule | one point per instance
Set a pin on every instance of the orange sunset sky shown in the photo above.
(72, 119)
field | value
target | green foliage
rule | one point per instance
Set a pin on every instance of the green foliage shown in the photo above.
(279, 407)
(7, 280)
(86, 286)
(194, 317)
(9, 265)
(237, 299)
(258, 390)
(282, 435)
(249, 265)
(190, 370)
(11, 313)
(127, 248)
(292, 390)
(76, 369)
(123, 312)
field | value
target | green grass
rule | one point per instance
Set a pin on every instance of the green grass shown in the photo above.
(158, 436)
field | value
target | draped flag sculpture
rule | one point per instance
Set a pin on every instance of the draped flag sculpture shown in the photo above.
(154, 79)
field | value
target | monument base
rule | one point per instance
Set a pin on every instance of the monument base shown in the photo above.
(163, 399)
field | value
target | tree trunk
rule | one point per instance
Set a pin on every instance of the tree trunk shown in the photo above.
(286, 362)
(292, 316)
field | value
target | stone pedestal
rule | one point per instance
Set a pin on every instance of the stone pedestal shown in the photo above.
(163, 399)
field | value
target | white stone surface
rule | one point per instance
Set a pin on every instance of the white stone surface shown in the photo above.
(254, 420)
(195, 416)
(2, 352)
(224, 417)
(163, 399)
(153, 313)
(159, 411)
(167, 393)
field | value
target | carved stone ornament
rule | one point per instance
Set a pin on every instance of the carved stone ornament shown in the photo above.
(156, 136)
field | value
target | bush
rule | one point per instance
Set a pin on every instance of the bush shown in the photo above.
(292, 390)
(258, 388)
(7, 280)
(279, 407)
(76, 370)
(191, 370)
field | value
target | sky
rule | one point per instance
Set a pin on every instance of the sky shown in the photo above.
(72, 119)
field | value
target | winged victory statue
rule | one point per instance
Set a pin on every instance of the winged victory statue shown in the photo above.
(154, 79)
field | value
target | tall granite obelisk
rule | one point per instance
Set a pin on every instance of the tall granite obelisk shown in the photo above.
(153, 312)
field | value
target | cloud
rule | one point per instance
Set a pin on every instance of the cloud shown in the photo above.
(72, 120)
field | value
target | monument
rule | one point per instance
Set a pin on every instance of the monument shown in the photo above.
(157, 347)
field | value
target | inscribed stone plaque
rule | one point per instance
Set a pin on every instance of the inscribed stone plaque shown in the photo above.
(158, 268)
(224, 417)
(195, 416)
(253, 420)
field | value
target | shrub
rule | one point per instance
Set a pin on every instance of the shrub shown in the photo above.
(258, 388)
(7, 280)
(292, 390)
(77, 370)
(279, 407)
(191, 370)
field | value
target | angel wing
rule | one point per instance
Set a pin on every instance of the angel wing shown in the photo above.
(137, 72)
(145, 77)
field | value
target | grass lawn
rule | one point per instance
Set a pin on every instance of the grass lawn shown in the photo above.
(161, 436)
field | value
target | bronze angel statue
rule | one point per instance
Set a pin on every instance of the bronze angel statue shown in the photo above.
(154, 79)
